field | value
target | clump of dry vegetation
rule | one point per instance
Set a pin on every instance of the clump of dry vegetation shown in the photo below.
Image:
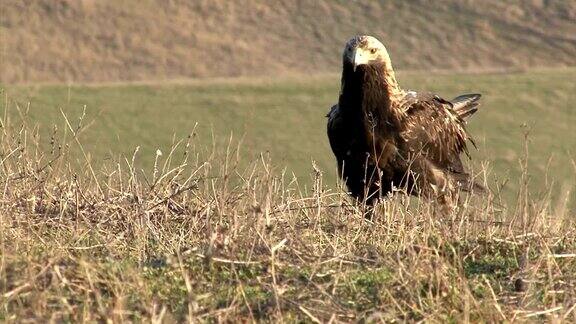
(198, 237)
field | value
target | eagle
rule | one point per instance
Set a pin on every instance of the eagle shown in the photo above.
(386, 139)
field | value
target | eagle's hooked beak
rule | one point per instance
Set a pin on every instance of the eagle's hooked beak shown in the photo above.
(359, 58)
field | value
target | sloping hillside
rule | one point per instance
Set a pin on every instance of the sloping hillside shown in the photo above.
(89, 40)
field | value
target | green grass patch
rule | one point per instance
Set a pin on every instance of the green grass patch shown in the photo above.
(285, 119)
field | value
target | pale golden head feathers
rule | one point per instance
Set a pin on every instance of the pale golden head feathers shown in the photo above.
(360, 50)
(367, 50)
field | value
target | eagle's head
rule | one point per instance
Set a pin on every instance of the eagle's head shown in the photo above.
(364, 50)
(366, 60)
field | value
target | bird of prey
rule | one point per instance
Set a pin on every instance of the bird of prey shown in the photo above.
(387, 139)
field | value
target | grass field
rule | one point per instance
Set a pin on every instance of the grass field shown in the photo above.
(214, 233)
(286, 119)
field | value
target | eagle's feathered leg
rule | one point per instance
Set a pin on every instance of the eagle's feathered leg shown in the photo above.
(433, 183)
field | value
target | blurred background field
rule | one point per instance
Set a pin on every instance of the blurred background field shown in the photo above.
(285, 119)
(269, 71)
(89, 40)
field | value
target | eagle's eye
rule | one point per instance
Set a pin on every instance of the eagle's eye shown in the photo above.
(373, 51)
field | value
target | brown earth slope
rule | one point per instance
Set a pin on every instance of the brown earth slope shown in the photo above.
(105, 40)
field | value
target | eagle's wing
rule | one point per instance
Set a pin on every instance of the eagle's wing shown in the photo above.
(432, 137)
(432, 127)
(336, 135)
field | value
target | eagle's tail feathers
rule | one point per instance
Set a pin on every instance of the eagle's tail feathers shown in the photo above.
(466, 105)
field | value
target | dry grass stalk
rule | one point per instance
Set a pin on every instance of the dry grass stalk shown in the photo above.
(209, 240)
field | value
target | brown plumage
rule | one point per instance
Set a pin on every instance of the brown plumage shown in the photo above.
(386, 138)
